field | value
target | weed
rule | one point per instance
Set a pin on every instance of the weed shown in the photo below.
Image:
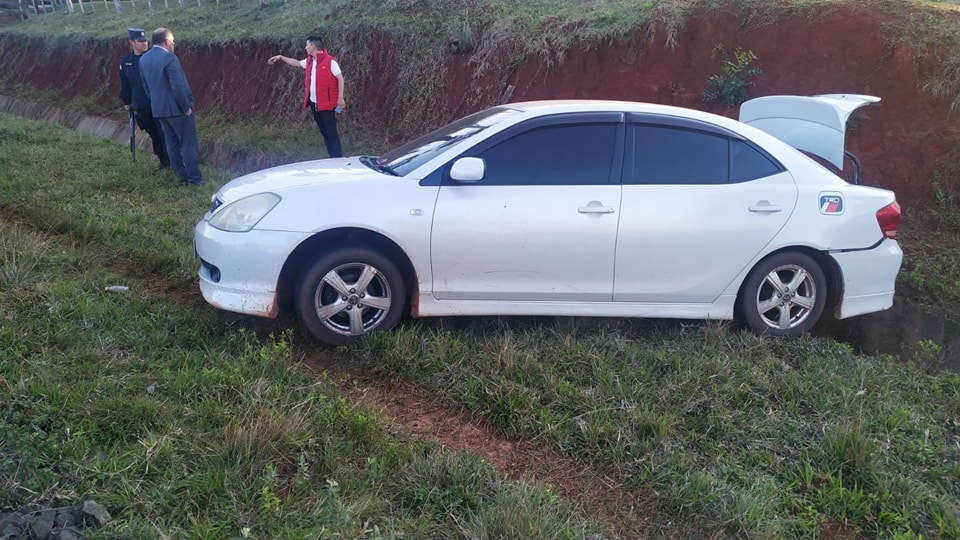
(731, 87)
(929, 354)
(848, 449)
(463, 42)
(268, 496)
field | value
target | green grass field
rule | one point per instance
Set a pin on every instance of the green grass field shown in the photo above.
(186, 425)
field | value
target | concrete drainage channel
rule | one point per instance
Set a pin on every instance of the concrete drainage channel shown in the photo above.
(212, 153)
(906, 330)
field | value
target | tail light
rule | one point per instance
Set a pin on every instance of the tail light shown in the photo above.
(889, 219)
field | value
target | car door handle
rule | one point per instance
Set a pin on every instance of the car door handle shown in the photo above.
(764, 207)
(596, 207)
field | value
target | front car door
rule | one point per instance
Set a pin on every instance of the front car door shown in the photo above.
(541, 224)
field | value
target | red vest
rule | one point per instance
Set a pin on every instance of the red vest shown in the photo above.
(328, 91)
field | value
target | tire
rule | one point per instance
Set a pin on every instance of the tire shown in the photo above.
(349, 293)
(784, 295)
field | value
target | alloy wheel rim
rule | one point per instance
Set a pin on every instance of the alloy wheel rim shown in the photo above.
(786, 297)
(352, 299)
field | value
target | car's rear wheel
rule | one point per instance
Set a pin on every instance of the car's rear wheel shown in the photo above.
(349, 293)
(784, 295)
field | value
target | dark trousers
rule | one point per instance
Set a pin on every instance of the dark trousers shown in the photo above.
(147, 123)
(327, 122)
(180, 134)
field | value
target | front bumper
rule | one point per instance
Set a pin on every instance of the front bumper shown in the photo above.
(240, 271)
(869, 278)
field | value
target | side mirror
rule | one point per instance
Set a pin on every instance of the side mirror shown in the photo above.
(468, 169)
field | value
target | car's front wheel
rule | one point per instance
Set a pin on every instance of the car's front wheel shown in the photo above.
(784, 295)
(349, 293)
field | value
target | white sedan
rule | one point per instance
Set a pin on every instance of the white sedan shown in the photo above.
(572, 208)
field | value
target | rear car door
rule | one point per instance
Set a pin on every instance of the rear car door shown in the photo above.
(541, 225)
(699, 203)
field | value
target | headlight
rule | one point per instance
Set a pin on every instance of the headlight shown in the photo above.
(243, 215)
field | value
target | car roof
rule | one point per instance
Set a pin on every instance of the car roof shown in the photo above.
(538, 108)
(574, 105)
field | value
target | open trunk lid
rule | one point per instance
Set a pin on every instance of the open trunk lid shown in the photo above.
(816, 124)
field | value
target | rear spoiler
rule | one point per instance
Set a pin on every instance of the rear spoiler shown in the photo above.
(816, 124)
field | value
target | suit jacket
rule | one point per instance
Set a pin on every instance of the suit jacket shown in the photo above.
(165, 83)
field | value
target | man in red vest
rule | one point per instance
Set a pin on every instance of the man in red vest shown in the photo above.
(323, 90)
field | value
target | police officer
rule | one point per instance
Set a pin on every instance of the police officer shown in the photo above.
(133, 96)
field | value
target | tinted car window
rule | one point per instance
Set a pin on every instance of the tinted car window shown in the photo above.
(569, 154)
(669, 155)
(748, 163)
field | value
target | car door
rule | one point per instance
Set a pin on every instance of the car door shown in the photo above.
(541, 224)
(699, 203)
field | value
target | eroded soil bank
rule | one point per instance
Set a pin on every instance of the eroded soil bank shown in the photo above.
(902, 142)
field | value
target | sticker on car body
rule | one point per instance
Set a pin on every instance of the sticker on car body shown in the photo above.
(831, 204)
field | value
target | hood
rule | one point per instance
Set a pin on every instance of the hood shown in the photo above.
(294, 175)
(816, 124)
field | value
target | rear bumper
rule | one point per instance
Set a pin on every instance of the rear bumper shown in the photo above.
(869, 278)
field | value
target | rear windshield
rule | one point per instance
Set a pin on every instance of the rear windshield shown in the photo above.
(850, 173)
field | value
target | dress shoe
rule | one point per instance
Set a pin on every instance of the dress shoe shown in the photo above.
(161, 167)
(200, 182)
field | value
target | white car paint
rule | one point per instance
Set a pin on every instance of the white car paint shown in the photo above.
(532, 248)
(663, 245)
(602, 250)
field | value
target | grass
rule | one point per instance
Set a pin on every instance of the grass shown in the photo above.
(182, 425)
(186, 425)
(738, 433)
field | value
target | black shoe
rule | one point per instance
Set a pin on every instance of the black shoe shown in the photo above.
(200, 182)
(161, 167)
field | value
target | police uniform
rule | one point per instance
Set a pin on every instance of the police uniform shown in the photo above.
(132, 93)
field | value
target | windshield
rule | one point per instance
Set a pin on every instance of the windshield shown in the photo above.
(408, 157)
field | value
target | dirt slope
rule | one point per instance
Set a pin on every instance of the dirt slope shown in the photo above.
(842, 49)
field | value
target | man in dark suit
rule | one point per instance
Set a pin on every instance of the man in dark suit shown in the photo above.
(135, 99)
(172, 103)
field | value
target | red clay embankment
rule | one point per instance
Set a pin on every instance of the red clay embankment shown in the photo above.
(901, 142)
